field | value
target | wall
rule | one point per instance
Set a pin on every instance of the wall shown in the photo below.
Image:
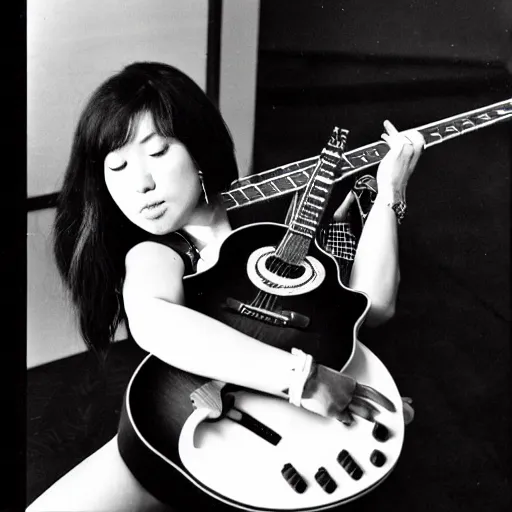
(239, 55)
(479, 30)
(71, 48)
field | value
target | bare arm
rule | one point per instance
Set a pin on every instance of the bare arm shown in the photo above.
(376, 269)
(187, 339)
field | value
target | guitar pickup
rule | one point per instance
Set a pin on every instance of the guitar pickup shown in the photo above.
(282, 319)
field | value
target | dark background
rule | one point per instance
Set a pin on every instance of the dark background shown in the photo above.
(354, 64)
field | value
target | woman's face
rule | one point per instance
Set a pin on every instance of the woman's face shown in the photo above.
(153, 180)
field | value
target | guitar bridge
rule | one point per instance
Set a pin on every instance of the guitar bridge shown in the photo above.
(282, 319)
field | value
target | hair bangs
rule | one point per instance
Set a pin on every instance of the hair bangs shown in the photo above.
(117, 127)
(115, 130)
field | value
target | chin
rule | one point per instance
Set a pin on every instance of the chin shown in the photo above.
(162, 227)
(159, 229)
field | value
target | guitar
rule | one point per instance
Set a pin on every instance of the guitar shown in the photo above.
(293, 177)
(263, 453)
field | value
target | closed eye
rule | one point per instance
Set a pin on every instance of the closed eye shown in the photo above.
(120, 168)
(162, 152)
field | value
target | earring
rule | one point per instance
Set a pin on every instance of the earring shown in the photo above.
(201, 179)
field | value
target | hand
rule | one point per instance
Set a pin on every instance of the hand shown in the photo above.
(398, 165)
(335, 395)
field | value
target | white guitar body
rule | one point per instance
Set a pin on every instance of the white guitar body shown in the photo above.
(236, 466)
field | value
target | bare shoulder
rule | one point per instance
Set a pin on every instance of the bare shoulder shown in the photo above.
(146, 253)
(153, 270)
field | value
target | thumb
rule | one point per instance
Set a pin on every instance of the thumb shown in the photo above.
(342, 211)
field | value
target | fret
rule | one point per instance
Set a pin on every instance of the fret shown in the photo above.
(311, 212)
(240, 198)
(318, 198)
(260, 192)
(327, 181)
(291, 181)
(229, 201)
(306, 219)
(305, 226)
(283, 184)
(267, 189)
(302, 178)
(242, 191)
(328, 162)
(275, 187)
(252, 192)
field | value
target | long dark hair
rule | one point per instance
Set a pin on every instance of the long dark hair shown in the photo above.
(91, 234)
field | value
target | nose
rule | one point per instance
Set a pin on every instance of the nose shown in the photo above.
(144, 181)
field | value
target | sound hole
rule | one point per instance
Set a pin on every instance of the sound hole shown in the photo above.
(282, 269)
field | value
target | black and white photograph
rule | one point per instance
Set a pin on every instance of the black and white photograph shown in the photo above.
(267, 256)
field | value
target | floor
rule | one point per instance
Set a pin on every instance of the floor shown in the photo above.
(73, 408)
(447, 347)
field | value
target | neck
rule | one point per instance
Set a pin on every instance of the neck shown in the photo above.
(207, 224)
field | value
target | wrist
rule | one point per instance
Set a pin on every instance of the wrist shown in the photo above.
(393, 199)
(390, 194)
(303, 368)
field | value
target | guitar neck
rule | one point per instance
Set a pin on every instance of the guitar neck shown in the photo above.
(295, 176)
(305, 221)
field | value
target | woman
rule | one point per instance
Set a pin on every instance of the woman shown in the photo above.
(150, 156)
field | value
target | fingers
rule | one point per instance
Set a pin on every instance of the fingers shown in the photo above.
(409, 142)
(390, 128)
(360, 405)
(415, 138)
(363, 409)
(341, 212)
(370, 393)
(418, 144)
(345, 417)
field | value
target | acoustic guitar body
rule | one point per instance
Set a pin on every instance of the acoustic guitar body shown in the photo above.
(332, 312)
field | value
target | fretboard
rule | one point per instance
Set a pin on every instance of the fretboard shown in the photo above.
(292, 177)
(309, 212)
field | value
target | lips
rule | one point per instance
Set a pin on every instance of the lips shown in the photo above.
(154, 211)
(151, 206)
